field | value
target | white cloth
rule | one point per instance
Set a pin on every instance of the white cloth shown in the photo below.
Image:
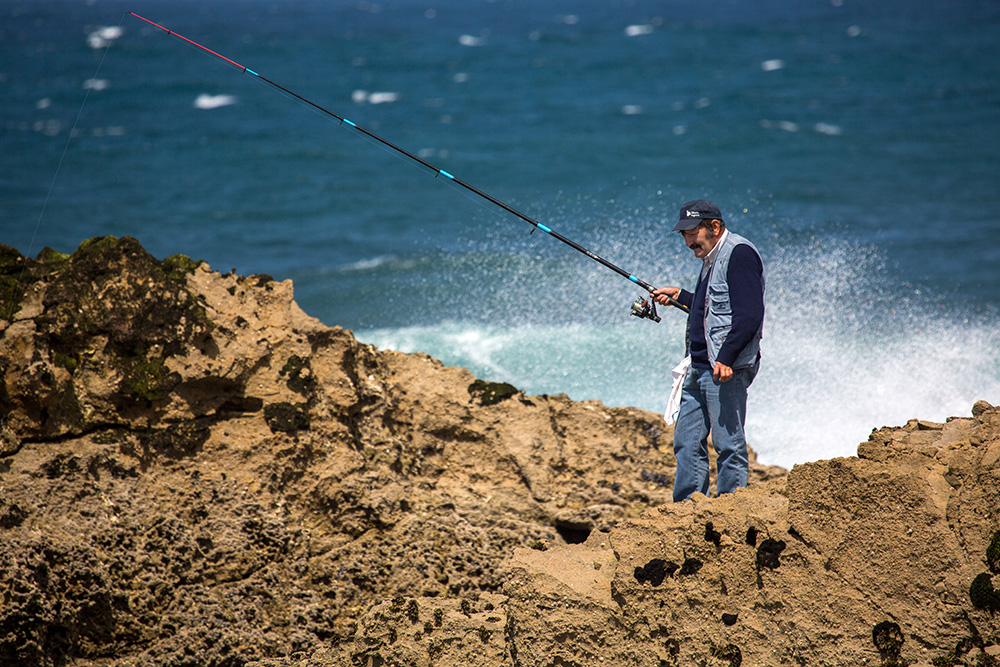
(674, 404)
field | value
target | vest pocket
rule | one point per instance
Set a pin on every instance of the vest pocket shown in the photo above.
(718, 301)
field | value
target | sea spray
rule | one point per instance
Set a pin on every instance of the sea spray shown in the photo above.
(845, 351)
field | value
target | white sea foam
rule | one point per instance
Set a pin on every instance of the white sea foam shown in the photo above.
(828, 128)
(844, 355)
(638, 30)
(383, 98)
(102, 37)
(772, 65)
(838, 361)
(364, 97)
(49, 128)
(206, 101)
(786, 125)
(367, 264)
(471, 40)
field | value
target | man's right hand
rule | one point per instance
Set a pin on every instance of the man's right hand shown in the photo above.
(663, 295)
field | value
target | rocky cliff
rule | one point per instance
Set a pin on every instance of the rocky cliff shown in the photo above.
(195, 472)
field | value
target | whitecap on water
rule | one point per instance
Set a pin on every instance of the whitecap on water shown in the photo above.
(430, 153)
(49, 128)
(828, 128)
(786, 125)
(637, 30)
(363, 96)
(772, 65)
(206, 101)
(382, 98)
(367, 264)
(632, 109)
(471, 40)
(96, 84)
(100, 38)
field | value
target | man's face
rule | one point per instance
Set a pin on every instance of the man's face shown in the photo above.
(702, 239)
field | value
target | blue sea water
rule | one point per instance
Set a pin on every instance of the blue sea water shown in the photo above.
(856, 143)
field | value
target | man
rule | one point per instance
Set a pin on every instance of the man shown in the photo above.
(723, 341)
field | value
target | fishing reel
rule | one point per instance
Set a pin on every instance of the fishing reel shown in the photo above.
(645, 308)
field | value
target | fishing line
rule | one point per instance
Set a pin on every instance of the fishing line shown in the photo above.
(641, 308)
(55, 176)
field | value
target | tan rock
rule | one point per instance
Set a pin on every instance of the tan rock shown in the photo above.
(192, 466)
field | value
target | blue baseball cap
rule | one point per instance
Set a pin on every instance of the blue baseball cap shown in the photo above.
(693, 212)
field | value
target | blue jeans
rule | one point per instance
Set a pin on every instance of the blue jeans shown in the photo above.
(719, 408)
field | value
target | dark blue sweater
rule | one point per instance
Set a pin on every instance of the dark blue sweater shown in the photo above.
(746, 294)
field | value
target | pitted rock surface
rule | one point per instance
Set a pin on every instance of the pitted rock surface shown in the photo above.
(195, 472)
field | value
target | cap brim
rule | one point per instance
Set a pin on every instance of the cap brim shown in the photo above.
(686, 224)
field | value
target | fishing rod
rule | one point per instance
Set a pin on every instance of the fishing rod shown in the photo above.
(641, 308)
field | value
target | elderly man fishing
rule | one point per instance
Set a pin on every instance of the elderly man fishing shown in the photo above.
(723, 345)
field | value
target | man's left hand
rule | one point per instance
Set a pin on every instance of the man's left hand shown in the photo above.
(722, 373)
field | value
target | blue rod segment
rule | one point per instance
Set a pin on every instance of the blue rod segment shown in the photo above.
(348, 122)
(446, 174)
(544, 228)
(250, 71)
(633, 279)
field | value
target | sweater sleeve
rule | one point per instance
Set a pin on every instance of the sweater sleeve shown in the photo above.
(746, 294)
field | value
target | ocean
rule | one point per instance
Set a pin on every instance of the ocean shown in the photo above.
(856, 143)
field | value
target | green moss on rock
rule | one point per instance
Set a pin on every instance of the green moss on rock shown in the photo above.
(147, 378)
(96, 244)
(50, 256)
(982, 593)
(491, 393)
(286, 417)
(888, 637)
(69, 362)
(178, 267)
(178, 441)
(12, 263)
(9, 442)
(300, 379)
(112, 289)
(993, 553)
